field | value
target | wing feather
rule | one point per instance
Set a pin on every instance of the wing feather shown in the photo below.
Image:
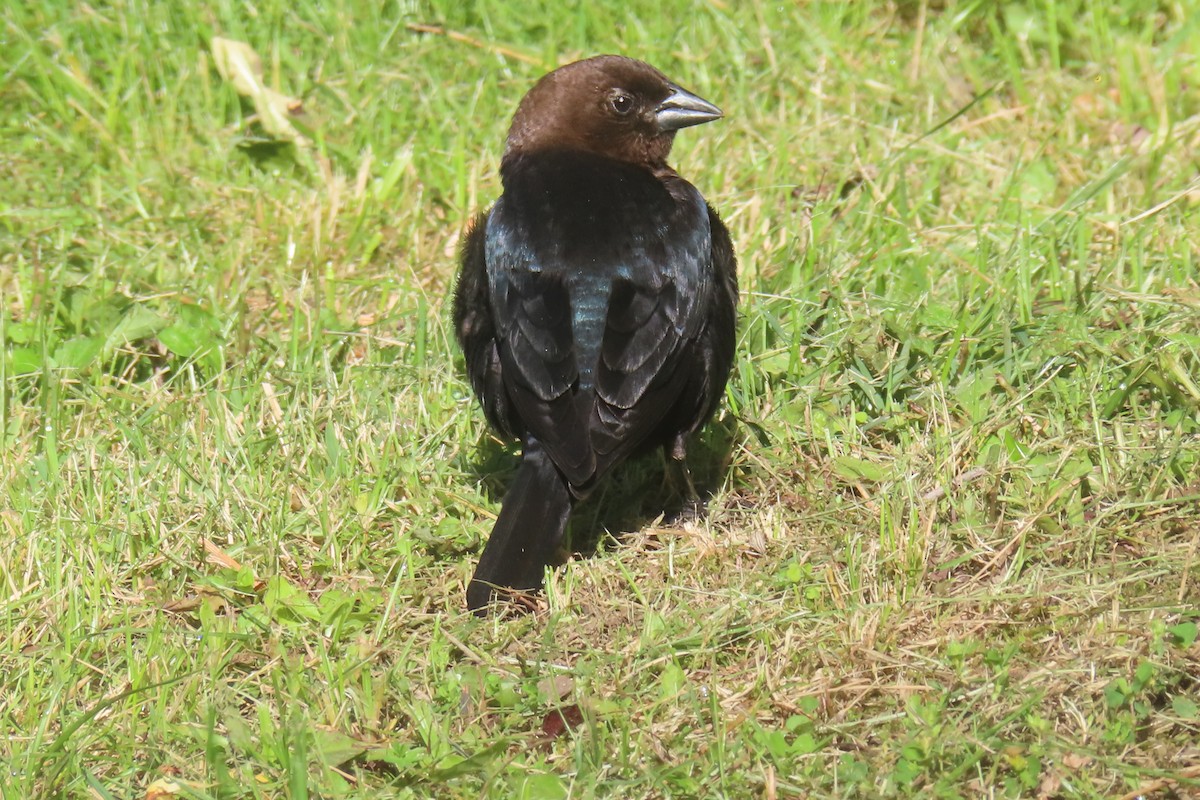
(597, 309)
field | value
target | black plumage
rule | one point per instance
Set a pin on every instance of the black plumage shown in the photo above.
(596, 301)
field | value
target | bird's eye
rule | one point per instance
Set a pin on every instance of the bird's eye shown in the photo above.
(622, 103)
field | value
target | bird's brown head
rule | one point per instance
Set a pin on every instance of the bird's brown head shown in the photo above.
(608, 105)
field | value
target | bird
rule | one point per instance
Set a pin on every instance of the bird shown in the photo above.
(595, 303)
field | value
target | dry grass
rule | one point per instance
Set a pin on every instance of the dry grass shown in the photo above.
(952, 546)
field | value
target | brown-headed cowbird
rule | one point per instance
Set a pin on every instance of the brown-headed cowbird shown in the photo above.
(596, 303)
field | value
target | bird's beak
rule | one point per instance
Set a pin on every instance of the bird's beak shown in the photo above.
(682, 109)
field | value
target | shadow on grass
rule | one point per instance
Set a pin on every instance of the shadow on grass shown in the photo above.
(633, 495)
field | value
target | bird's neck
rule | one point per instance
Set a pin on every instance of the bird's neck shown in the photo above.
(563, 159)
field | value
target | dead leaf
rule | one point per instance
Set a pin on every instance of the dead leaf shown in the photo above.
(161, 789)
(238, 63)
(1076, 761)
(182, 605)
(560, 720)
(1049, 786)
(555, 688)
(219, 557)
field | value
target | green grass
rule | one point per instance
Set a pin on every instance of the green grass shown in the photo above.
(953, 548)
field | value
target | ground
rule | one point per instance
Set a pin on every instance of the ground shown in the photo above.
(951, 548)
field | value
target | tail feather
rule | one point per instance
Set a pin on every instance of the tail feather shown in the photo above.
(528, 532)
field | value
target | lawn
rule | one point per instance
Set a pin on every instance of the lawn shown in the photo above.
(952, 547)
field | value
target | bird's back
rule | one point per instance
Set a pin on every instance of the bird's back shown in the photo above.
(599, 275)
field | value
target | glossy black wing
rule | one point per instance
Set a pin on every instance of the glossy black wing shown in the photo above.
(654, 319)
(475, 330)
(599, 278)
(708, 358)
(531, 308)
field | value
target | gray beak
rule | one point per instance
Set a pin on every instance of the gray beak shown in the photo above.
(682, 109)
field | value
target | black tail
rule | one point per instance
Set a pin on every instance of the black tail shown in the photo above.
(528, 532)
